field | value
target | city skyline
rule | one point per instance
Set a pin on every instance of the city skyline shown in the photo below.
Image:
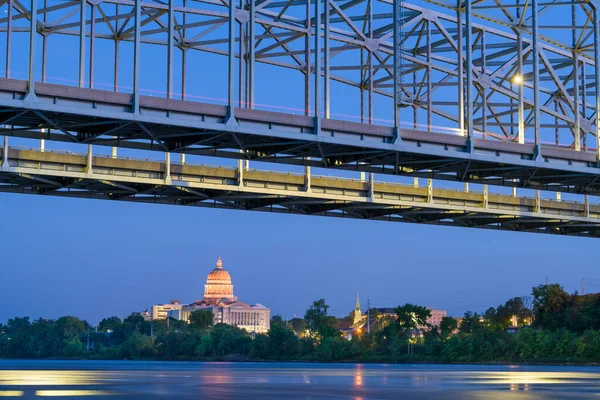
(407, 263)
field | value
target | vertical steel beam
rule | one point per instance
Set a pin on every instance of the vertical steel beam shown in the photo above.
(597, 79)
(484, 105)
(9, 23)
(32, 53)
(251, 53)
(371, 186)
(397, 42)
(231, 64)
(116, 70)
(460, 69)
(370, 63)
(183, 52)
(318, 65)
(429, 79)
(518, 80)
(136, 55)
(167, 177)
(44, 46)
(241, 56)
(92, 44)
(5, 152)
(307, 76)
(536, 77)
(576, 118)
(170, 48)
(89, 164)
(326, 63)
(584, 112)
(82, 33)
(469, 67)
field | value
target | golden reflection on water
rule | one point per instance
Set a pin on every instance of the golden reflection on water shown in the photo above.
(358, 376)
(37, 378)
(72, 393)
(11, 393)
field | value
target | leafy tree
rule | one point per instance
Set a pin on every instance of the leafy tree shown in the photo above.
(298, 325)
(277, 320)
(201, 320)
(282, 341)
(228, 339)
(411, 316)
(470, 322)
(110, 324)
(318, 322)
(549, 304)
(447, 327)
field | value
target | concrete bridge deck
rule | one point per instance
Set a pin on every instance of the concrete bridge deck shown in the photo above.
(102, 177)
(92, 116)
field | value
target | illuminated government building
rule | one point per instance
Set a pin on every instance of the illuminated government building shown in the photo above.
(226, 309)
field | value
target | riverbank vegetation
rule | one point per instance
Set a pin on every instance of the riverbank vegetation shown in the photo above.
(563, 328)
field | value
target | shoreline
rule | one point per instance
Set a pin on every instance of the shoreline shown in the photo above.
(370, 362)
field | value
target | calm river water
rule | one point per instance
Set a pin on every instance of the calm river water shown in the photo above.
(166, 380)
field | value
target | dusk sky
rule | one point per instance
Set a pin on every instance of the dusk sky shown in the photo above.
(94, 259)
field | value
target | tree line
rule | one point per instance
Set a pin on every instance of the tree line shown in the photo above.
(554, 327)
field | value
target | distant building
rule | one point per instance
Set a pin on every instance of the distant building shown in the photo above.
(160, 311)
(226, 309)
(434, 320)
(359, 319)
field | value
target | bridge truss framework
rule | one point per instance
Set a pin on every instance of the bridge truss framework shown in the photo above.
(501, 77)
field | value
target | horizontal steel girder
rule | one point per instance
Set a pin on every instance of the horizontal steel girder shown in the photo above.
(91, 116)
(85, 176)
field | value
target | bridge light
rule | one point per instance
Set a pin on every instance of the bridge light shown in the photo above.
(517, 79)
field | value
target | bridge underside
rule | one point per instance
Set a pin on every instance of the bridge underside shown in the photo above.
(81, 176)
(89, 116)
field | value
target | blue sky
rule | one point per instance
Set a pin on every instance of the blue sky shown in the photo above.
(96, 258)
(92, 258)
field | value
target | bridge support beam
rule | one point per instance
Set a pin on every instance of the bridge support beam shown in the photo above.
(231, 65)
(136, 55)
(240, 172)
(89, 161)
(587, 205)
(307, 179)
(182, 158)
(536, 79)
(597, 78)
(520, 99)
(9, 36)
(469, 67)
(317, 66)
(430, 190)
(5, 153)
(168, 179)
(82, 39)
(398, 71)
(326, 63)
(485, 196)
(30, 96)
(371, 191)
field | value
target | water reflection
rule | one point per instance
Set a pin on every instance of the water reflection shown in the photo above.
(358, 377)
(292, 381)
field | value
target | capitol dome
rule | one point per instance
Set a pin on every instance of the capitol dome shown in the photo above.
(218, 283)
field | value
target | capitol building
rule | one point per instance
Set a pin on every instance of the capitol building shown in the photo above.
(226, 308)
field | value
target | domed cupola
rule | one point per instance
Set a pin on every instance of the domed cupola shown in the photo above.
(218, 283)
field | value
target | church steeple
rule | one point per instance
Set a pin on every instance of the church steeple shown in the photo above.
(357, 312)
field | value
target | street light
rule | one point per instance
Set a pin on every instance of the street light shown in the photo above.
(517, 79)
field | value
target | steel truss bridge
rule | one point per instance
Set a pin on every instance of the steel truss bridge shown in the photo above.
(494, 92)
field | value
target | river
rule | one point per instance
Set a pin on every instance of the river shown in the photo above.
(289, 381)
